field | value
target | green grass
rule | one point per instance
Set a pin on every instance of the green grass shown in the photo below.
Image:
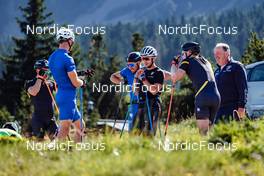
(134, 155)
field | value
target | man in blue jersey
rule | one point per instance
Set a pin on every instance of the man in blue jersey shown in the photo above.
(126, 75)
(63, 70)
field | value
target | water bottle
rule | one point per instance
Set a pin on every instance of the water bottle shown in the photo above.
(174, 65)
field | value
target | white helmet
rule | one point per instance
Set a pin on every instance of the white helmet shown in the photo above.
(65, 34)
(12, 126)
(149, 51)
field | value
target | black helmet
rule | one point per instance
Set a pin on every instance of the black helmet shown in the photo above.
(133, 57)
(41, 64)
(193, 46)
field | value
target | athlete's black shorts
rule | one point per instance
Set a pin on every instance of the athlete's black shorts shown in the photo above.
(143, 116)
(207, 103)
(41, 125)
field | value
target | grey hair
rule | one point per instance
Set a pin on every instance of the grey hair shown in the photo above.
(224, 46)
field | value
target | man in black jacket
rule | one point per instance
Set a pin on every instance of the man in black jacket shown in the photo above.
(43, 117)
(231, 81)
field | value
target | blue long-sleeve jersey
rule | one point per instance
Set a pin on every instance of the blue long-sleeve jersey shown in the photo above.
(232, 84)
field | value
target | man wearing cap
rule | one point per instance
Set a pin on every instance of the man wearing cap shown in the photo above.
(127, 76)
(199, 70)
(38, 89)
(231, 81)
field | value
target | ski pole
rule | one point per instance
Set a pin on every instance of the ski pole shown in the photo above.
(127, 114)
(117, 110)
(52, 97)
(169, 111)
(148, 108)
(81, 109)
(133, 117)
(149, 113)
(126, 117)
(236, 115)
(55, 104)
(159, 129)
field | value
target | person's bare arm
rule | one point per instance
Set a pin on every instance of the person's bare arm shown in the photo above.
(178, 75)
(116, 78)
(167, 75)
(34, 90)
(76, 82)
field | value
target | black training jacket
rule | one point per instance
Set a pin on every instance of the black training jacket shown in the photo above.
(232, 84)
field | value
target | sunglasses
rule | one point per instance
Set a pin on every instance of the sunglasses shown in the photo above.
(131, 65)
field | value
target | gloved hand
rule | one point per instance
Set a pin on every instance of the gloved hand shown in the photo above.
(142, 77)
(89, 73)
(176, 60)
(42, 74)
(84, 84)
(125, 81)
(141, 74)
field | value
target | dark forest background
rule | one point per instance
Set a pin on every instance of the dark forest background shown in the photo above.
(106, 54)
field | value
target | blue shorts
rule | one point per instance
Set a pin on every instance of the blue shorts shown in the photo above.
(132, 110)
(66, 100)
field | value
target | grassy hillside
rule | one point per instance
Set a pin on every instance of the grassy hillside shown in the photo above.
(133, 155)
